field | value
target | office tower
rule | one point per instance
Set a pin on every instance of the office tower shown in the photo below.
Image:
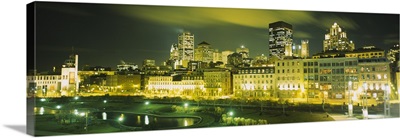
(337, 39)
(301, 50)
(204, 52)
(280, 39)
(174, 52)
(224, 56)
(186, 48)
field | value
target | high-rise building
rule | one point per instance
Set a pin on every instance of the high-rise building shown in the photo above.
(204, 52)
(337, 39)
(224, 56)
(185, 48)
(301, 50)
(217, 56)
(174, 52)
(280, 39)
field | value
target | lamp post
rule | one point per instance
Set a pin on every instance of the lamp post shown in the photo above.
(350, 104)
(365, 102)
(387, 101)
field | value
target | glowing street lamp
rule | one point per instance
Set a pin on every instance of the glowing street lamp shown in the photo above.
(186, 105)
(42, 100)
(105, 101)
(147, 103)
(76, 97)
(387, 100)
(350, 108)
(121, 118)
(230, 113)
(58, 106)
(365, 102)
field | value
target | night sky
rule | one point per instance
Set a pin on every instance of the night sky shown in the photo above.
(103, 34)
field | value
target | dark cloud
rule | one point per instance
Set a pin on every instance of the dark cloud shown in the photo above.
(104, 34)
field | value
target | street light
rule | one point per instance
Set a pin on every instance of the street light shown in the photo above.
(42, 100)
(350, 104)
(365, 102)
(147, 103)
(58, 106)
(76, 112)
(186, 105)
(121, 118)
(76, 97)
(387, 100)
(230, 113)
(41, 112)
(105, 101)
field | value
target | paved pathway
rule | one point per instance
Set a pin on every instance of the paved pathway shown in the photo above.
(340, 117)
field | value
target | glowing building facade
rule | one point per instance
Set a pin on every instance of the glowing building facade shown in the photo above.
(280, 39)
(254, 82)
(185, 48)
(337, 39)
(301, 50)
(224, 56)
(204, 52)
(217, 82)
(176, 86)
(69, 77)
(375, 73)
(289, 78)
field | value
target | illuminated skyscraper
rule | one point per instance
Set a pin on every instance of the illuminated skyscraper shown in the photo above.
(174, 52)
(337, 39)
(280, 39)
(204, 52)
(185, 48)
(301, 50)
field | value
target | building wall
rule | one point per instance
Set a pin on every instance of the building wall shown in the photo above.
(254, 82)
(217, 82)
(188, 86)
(375, 73)
(289, 78)
(217, 56)
(204, 53)
(44, 85)
(123, 83)
(224, 56)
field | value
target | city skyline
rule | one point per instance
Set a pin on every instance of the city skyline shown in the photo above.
(358, 83)
(105, 34)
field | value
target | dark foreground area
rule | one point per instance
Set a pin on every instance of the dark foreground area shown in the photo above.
(83, 115)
